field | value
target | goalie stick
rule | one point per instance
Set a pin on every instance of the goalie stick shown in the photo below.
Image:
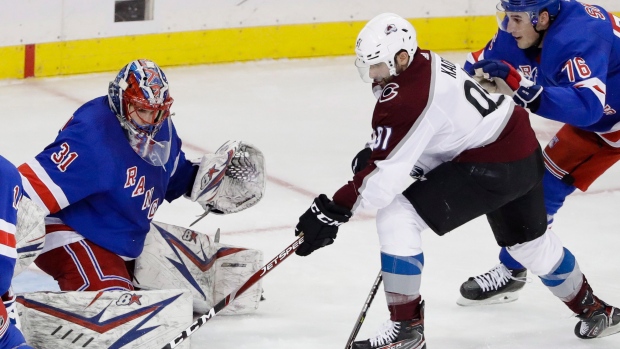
(362, 316)
(210, 314)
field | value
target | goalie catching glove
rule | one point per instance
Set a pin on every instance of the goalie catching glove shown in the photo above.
(320, 224)
(230, 180)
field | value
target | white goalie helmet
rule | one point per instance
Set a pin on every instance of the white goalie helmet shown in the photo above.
(380, 40)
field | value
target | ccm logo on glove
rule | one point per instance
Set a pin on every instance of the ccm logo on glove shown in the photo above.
(323, 218)
(320, 224)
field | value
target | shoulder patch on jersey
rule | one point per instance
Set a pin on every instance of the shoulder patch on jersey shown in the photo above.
(389, 92)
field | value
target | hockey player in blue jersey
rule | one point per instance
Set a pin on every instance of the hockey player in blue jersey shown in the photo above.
(102, 180)
(561, 60)
(10, 194)
(106, 173)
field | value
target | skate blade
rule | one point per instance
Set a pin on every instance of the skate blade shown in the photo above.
(499, 299)
(405, 345)
(609, 331)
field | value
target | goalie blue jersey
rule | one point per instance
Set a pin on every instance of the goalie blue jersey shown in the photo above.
(578, 66)
(96, 186)
(10, 194)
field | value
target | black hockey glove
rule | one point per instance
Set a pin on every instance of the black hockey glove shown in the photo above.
(320, 224)
(360, 161)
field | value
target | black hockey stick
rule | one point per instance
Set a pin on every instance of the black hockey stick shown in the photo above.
(362, 316)
(210, 314)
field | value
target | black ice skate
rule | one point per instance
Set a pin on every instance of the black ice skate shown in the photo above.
(498, 285)
(399, 334)
(598, 319)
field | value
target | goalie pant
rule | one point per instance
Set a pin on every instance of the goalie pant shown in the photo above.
(10, 195)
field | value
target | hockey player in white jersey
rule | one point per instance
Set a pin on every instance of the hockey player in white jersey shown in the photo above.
(473, 154)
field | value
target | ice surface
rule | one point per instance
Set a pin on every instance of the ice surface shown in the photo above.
(310, 117)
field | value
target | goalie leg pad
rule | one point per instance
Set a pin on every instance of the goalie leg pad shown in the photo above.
(105, 319)
(233, 267)
(176, 257)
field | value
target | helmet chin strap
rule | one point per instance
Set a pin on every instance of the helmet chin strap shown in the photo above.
(541, 35)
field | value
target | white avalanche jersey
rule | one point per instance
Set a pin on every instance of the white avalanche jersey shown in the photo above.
(432, 113)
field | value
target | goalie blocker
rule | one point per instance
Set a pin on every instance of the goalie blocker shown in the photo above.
(177, 257)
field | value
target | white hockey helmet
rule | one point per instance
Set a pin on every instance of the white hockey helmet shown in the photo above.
(380, 40)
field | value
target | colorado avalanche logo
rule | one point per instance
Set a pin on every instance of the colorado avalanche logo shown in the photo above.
(389, 92)
(391, 28)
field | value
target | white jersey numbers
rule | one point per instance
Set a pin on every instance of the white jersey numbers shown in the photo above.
(579, 66)
(380, 137)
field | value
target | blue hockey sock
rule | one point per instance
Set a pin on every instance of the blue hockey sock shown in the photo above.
(508, 261)
(566, 279)
(401, 281)
(555, 192)
(402, 274)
